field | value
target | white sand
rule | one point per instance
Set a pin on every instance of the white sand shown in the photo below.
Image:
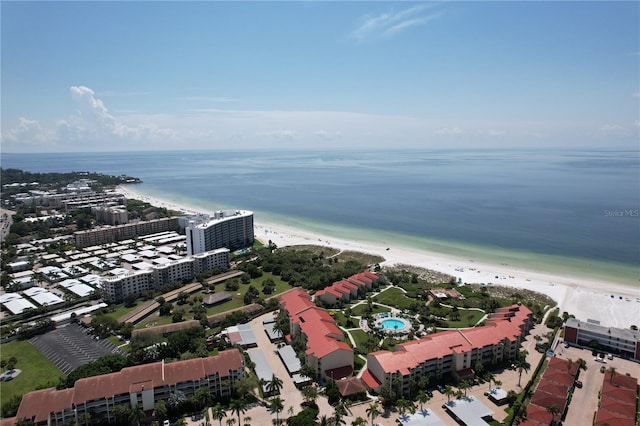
(584, 298)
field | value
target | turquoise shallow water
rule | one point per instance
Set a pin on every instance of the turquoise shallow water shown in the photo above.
(567, 212)
(561, 265)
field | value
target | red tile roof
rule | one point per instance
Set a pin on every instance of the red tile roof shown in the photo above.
(538, 414)
(315, 323)
(563, 365)
(624, 410)
(621, 394)
(370, 380)
(544, 399)
(605, 417)
(41, 403)
(350, 386)
(438, 345)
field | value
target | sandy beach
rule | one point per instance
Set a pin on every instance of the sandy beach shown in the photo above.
(612, 304)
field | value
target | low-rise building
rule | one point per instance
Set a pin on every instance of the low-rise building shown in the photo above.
(154, 277)
(624, 342)
(143, 385)
(348, 289)
(110, 234)
(450, 352)
(326, 353)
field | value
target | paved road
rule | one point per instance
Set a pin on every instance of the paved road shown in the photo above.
(68, 347)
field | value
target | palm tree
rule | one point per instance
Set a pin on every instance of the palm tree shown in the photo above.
(218, 413)
(324, 421)
(84, 418)
(160, 410)
(277, 406)
(373, 412)
(422, 398)
(490, 378)
(274, 385)
(238, 406)
(554, 411)
(464, 385)
(359, 421)
(569, 364)
(402, 405)
(522, 365)
(612, 373)
(137, 413)
(310, 394)
(121, 413)
(231, 421)
(449, 392)
(247, 421)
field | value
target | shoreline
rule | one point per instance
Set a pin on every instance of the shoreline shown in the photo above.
(582, 297)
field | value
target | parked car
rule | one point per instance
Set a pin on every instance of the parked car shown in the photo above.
(578, 384)
(610, 356)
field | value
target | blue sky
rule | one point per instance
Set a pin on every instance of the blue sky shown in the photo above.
(99, 76)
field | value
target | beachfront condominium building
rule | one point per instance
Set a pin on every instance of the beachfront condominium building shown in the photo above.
(143, 385)
(118, 287)
(232, 229)
(327, 353)
(454, 352)
(110, 234)
(623, 342)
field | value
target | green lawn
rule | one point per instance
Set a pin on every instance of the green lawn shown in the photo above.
(359, 310)
(238, 296)
(468, 318)
(236, 301)
(37, 371)
(123, 310)
(394, 297)
(359, 337)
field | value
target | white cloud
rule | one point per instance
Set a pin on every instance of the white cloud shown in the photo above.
(116, 93)
(390, 23)
(613, 130)
(278, 134)
(449, 131)
(221, 99)
(28, 132)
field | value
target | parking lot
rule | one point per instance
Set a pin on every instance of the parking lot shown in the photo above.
(70, 346)
(585, 400)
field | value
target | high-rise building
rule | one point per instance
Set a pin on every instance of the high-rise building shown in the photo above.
(232, 229)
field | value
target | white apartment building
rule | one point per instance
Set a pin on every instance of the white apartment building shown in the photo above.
(117, 288)
(232, 229)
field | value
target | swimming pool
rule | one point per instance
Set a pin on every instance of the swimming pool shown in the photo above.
(395, 324)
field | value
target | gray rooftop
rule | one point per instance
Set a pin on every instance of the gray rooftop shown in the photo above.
(424, 417)
(469, 410)
(290, 359)
(263, 369)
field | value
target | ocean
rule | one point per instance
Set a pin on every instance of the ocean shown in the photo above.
(561, 211)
